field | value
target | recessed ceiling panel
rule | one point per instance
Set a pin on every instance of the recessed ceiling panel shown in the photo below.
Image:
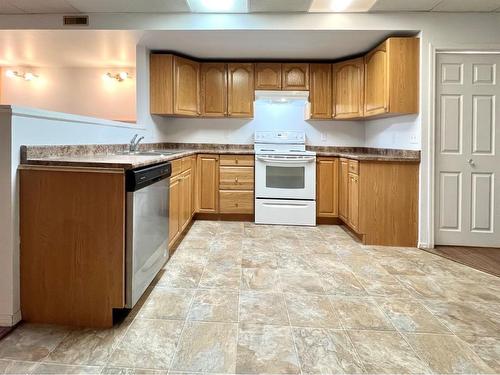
(130, 6)
(466, 6)
(218, 6)
(38, 6)
(338, 6)
(403, 5)
(279, 5)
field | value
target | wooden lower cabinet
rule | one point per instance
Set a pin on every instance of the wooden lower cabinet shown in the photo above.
(327, 172)
(174, 210)
(208, 183)
(379, 200)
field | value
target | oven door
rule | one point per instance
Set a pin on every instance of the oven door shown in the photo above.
(285, 177)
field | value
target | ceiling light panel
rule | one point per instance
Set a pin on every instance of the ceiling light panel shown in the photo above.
(218, 6)
(130, 6)
(46, 6)
(344, 6)
(403, 5)
(279, 5)
(466, 6)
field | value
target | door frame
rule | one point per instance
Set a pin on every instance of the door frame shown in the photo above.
(434, 52)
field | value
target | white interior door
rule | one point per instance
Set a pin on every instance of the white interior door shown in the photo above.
(467, 150)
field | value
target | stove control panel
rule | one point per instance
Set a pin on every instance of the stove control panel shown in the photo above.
(279, 136)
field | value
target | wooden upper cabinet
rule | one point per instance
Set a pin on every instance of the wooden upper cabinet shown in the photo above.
(327, 170)
(320, 93)
(174, 85)
(295, 76)
(391, 78)
(213, 89)
(348, 91)
(186, 87)
(240, 89)
(268, 76)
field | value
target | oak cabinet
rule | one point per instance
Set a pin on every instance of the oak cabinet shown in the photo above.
(327, 187)
(353, 201)
(320, 93)
(348, 92)
(236, 201)
(236, 184)
(174, 85)
(343, 188)
(240, 89)
(174, 210)
(185, 199)
(391, 78)
(295, 76)
(207, 170)
(213, 89)
(268, 76)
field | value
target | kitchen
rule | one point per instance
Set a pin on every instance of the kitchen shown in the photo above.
(293, 186)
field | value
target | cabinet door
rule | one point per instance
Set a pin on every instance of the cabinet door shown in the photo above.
(348, 89)
(208, 183)
(327, 187)
(376, 81)
(160, 84)
(321, 91)
(343, 188)
(240, 90)
(295, 76)
(186, 87)
(185, 199)
(353, 202)
(268, 76)
(173, 215)
(213, 89)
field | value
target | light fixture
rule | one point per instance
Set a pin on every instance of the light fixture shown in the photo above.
(340, 5)
(122, 76)
(218, 6)
(27, 76)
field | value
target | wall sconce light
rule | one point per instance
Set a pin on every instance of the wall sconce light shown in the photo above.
(119, 76)
(27, 76)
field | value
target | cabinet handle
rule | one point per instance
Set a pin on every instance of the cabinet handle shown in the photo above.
(236, 180)
(236, 161)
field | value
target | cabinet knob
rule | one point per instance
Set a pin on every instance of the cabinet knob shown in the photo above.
(236, 161)
(236, 205)
(236, 180)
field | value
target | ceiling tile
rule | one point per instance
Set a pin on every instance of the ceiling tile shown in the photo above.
(467, 6)
(279, 5)
(45, 6)
(130, 6)
(403, 5)
(333, 6)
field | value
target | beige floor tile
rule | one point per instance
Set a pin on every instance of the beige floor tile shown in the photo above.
(293, 262)
(148, 344)
(300, 282)
(265, 349)
(487, 348)
(264, 308)
(31, 342)
(326, 351)
(386, 353)
(360, 313)
(183, 276)
(341, 282)
(109, 370)
(447, 354)
(308, 310)
(88, 346)
(214, 306)
(409, 315)
(216, 277)
(259, 259)
(165, 303)
(54, 368)
(263, 279)
(467, 318)
(207, 347)
(383, 285)
(8, 366)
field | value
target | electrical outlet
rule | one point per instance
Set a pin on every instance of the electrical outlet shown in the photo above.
(323, 136)
(413, 139)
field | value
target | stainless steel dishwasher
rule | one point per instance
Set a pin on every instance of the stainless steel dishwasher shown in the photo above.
(146, 227)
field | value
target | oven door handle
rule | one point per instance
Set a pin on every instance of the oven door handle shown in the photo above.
(300, 159)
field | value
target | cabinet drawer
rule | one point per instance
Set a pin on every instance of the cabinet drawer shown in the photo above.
(236, 202)
(353, 166)
(236, 178)
(241, 160)
(176, 167)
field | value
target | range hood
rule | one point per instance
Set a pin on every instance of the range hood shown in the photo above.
(281, 96)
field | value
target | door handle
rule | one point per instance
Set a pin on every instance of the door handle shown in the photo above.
(471, 162)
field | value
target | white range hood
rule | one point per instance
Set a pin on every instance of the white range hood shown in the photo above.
(281, 96)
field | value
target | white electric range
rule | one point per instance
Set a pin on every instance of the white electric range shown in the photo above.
(285, 179)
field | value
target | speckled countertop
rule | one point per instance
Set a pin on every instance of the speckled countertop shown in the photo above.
(108, 156)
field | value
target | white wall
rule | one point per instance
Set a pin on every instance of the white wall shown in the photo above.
(395, 132)
(80, 91)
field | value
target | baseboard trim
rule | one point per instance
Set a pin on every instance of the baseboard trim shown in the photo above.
(328, 220)
(224, 217)
(7, 320)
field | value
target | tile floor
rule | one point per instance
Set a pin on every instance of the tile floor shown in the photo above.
(247, 299)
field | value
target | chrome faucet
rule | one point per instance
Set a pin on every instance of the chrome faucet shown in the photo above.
(134, 144)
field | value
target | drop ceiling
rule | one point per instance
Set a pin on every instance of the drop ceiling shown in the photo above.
(252, 6)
